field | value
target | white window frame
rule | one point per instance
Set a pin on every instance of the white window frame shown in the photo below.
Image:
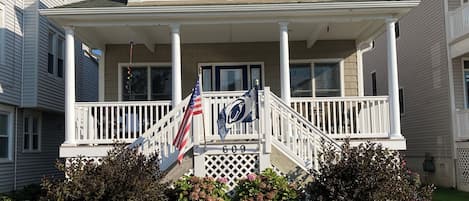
(9, 111)
(31, 115)
(313, 79)
(139, 65)
(375, 84)
(248, 69)
(464, 81)
(403, 101)
(2, 32)
(55, 39)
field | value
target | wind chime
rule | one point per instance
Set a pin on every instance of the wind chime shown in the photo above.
(128, 84)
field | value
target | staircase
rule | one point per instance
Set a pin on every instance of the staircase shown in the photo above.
(280, 131)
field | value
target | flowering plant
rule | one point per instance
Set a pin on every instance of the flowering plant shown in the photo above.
(195, 188)
(266, 186)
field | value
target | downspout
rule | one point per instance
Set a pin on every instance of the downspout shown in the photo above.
(361, 49)
(16, 148)
(451, 95)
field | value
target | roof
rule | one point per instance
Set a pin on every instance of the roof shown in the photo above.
(125, 3)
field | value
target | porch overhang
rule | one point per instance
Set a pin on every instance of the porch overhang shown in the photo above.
(365, 20)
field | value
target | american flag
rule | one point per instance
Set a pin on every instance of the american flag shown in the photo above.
(193, 108)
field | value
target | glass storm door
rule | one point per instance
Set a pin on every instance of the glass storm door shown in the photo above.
(231, 78)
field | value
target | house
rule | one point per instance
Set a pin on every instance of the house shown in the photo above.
(433, 83)
(32, 92)
(306, 57)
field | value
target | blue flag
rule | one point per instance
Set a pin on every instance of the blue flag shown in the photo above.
(243, 109)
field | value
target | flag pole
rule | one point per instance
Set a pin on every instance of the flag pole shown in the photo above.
(203, 113)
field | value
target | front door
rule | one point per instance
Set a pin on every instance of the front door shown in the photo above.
(232, 77)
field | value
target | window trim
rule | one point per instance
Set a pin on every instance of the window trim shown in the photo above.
(9, 111)
(139, 65)
(221, 64)
(312, 62)
(31, 115)
(57, 33)
(374, 85)
(402, 113)
(466, 99)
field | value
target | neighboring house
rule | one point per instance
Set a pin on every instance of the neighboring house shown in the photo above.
(308, 53)
(32, 92)
(432, 46)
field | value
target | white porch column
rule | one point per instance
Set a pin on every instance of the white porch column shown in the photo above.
(176, 63)
(284, 63)
(101, 69)
(393, 80)
(69, 86)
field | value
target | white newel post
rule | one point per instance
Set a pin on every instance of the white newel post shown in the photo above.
(284, 63)
(176, 64)
(69, 86)
(393, 80)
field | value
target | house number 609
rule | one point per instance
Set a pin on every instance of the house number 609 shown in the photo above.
(234, 149)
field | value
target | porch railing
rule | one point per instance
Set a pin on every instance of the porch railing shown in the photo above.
(108, 122)
(459, 22)
(462, 122)
(339, 117)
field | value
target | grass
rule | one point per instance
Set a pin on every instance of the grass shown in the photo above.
(447, 194)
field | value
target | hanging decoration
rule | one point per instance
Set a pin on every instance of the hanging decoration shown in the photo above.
(128, 85)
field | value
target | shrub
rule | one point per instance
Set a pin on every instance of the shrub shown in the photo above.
(196, 188)
(266, 186)
(29, 192)
(123, 174)
(367, 172)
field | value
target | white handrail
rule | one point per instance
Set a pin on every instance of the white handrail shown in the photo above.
(295, 136)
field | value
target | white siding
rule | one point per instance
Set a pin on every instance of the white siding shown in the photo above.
(12, 43)
(423, 73)
(31, 17)
(453, 4)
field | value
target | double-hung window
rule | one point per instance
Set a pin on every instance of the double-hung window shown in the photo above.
(55, 54)
(6, 134)
(32, 132)
(315, 79)
(146, 82)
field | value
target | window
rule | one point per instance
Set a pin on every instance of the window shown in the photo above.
(374, 88)
(318, 79)
(6, 136)
(32, 132)
(229, 76)
(146, 83)
(60, 57)
(466, 81)
(401, 101)
(397, 29)
(50, 53)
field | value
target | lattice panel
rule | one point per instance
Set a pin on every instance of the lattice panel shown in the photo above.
(95, 160)
(231, 166)
(463, 165)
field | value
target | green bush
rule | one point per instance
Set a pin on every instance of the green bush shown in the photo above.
(367, 172)
(190, 188)
(266, 186)
(124, 174)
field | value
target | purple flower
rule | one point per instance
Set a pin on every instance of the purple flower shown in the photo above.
(222, 180)
(251, 177)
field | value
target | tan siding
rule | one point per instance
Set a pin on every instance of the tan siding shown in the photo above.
(423, 72)
(266, 52)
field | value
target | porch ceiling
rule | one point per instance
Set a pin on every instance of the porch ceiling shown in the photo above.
(227, 33)
(360, 21)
